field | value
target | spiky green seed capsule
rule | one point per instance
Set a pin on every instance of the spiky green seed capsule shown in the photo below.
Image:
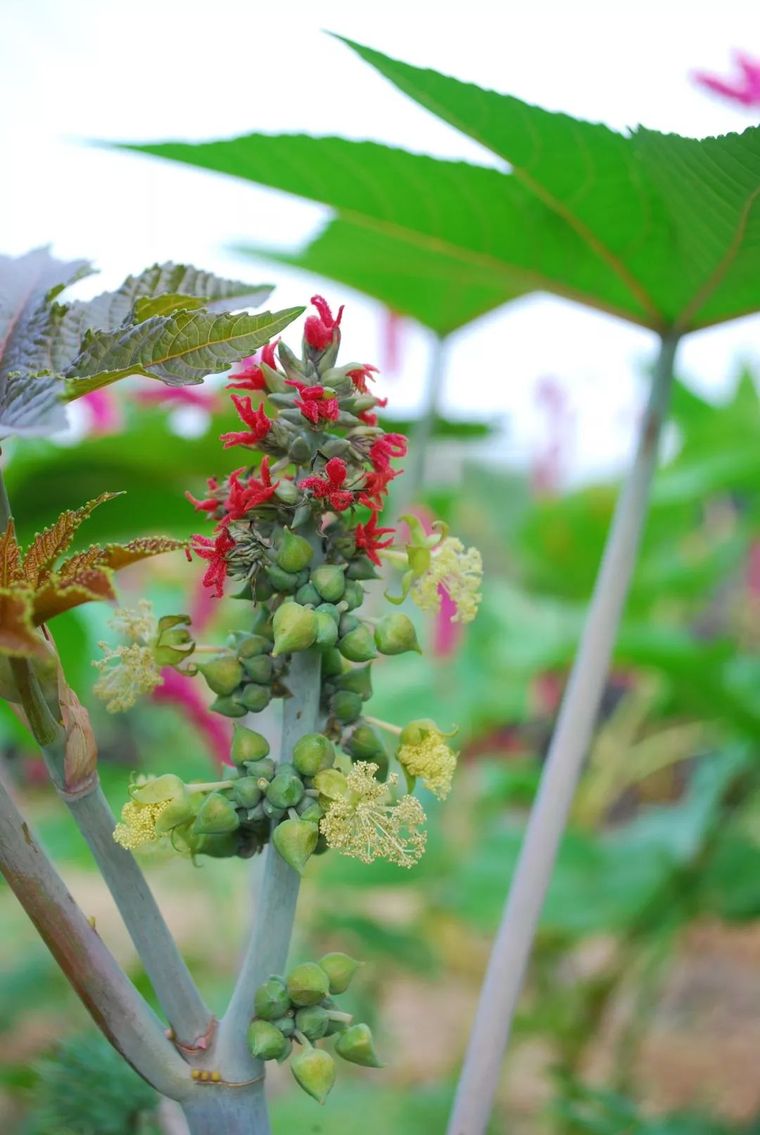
(329, 580)
(295, 628)
(285, 789)
(216, 816)
(266, 1041)
(340, 968)
(312, 753)
(271, 999)
(295, 840)
(223, 675)
(314, 1070)
(307, 983)
(357, 645)
(355, 1045)
(395, 634)
(294, 553)
(312, 1021)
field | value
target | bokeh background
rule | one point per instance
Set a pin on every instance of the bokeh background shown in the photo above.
(642, 1011)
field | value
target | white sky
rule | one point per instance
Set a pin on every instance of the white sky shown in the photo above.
(86, 69)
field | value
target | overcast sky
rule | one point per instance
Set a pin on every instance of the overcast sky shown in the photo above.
(87, 69)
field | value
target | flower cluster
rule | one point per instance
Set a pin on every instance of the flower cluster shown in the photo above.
(134, 668)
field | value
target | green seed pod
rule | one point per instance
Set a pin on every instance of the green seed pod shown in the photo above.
(312, 1021)
(307, 983)
(287, 492)
(285, 789)
(395, 634)
(252, 645)
(347, 624)
(361, 568)
(266, 1041)
(294, 552)
(259, 669)
(329, 581)
(358, 680)
(364, 744)
(271, 812)
(356, 1046)
(314, 1070)
(271, 999)
(310, 810)
(346, 706)
(357, 645)
(313, 752)
(281, 580)
(255, 698)
(295, 840)
(340, 968)
(246, 792)
(229, 707)
(332, 663)
(286, 1025)
(295, 628)
(330, 784)
(353, 595)
(223, 674)
(263, 768)
(327, 631)
(308, 596)
(216, 846)
(216, 816)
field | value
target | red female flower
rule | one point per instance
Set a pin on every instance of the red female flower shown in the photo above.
(376, 486)
(330, 487)
(368, 538)
(248, 373)
(257, 420)
(359, 376)
(319, 329)
(215, 551)
(244, 496)
(384, 449)
(210, 505)
(314, 404)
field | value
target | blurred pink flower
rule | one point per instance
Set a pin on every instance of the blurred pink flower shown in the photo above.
(390, 343)
(744, 88)
(179, 396)
(182, 692)
(548, 464)
(102, 411)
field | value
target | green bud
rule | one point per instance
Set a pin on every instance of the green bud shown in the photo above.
(358, 680)
(295, 628)
(286, 1025)
(216, 846)
(312, 1021)
(330, 784)
(259, 669)
(281, 580)
(261, 622)
(353, 595)
(255, 698)
(355, 1045)
(340, 968)
(417, 731)
(314, 1070)
(285, 789)
(327, 631)
(357, 645)
(263, 768)
(291, 364)
(312, 753)
(223, 675)
(346, 706)
(272, 812)
(263, 589)
(178, 811)
(332, 663)
(158, 789)
(287, 492)
(335, 447)
(395, 634)
(309, 809)
(216, 816)
(307, 983)
(246, 792)
(294, 552)
(364, 744)
(308, 596)
(271, 999)
(347, 624)
(229, 707)
(266, 1041)
(361, 568)
(275, 383)
(329, 581)
(300, 450)
(295, 840)
(252, 645)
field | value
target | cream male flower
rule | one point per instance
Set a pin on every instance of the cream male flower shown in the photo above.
(366, 822)
(423, 753)
(131, 670)
(145, 818)
(459, 572)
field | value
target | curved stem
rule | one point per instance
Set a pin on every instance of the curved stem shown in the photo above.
(580, 706)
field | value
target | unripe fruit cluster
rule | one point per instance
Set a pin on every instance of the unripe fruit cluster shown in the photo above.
(301, 1008)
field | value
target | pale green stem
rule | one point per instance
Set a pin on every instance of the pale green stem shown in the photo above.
(212, 1110)
(570, 742)
(109, 996)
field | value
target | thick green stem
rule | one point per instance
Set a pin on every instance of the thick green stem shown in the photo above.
(109, 996)
(572, 735)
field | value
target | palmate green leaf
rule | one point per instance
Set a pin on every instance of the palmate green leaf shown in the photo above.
(180, 349)
(660, 230)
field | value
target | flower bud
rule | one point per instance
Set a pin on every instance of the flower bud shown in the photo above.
(281, 580)
(314, 1069)
(308, 596)
(290, 362)
(246, 792)
(329, 581)
(251, 646)
(355, 1045)
(271, 999)
(158, 789)
(285, 789)
(353, 595)
(309, 809)
(266, 1041)
(332, 662)
(287, 492)
(263, 589)
(295, 628)
(340, 968)
(295, 840)
(216, 816)
(259, 669)
(178, 811)
(329, 609)
(307, 983)
(361, 567)
(255, 698)
(300, 450)
(330, 784)
(263, 768)
(312, 1021)
(223, 675)
(358, 680)
(327, 630)
(347, 623)
(335, 447)
(346, 706)
(229, 707)
(395, 634)
(286, 1025)
(294, 552)
(357, 645)
(312, 753)
(275, 383)
(216, 846)
(364, 744)
(272, 812)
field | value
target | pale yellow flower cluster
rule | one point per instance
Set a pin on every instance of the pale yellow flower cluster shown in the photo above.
(138, 823)
(367, 824)
(432, 761)
(130, 671)
(459, 572)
